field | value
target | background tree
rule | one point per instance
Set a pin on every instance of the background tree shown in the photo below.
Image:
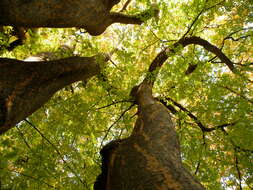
(210, 98)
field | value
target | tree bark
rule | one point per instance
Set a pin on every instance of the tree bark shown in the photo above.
(92, 15)
(148, 159)
(26, 86)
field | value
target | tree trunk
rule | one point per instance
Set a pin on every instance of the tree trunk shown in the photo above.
(92, 15)
(26, 86)
(148, 159)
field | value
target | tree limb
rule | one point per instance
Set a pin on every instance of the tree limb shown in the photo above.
(209, 47)
(26, 86)
(163, 55)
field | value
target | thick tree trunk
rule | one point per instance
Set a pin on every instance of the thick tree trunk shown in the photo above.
(26, 86)
(93, 15)
(150, 157)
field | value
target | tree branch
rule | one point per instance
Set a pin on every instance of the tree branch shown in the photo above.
(233, 143)
(197, 17)
(117, 17)
(209, 47)
(237, 168)
(58, 152)
(31, 177)
(163, 55)
(125, 5)
(116, 121)
(232, 33)
(23, 138)
(236, 93)
(113, 103)
(21, 83)
(192, 116)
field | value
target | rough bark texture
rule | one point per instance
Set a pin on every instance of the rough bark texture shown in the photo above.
(26, 86)
(93, 15)
(150, 157)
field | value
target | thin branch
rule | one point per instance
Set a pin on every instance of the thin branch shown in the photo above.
(239, 38)
(234, 144)
(236, 93)
(196, 120)
(193, 22)
(31, 177)
(57, 151)
(232, 33)
(201, 125)
(237, 168)
(23, 137)
(113, 103)
(149, 45)
(114, 123)
(197, 168)
(197, 17)
(125, 5)
(193, 117)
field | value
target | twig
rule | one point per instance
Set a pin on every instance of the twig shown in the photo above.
(232, 33)
(149, 45)
(113, 103)
(236, 93)
(57, 151)
(197, 17)
(23, 137)
(116, 121)
(192, 116)
(197, 168)
(233, 143)
(125, 5)
(31, 177)
(238, 169)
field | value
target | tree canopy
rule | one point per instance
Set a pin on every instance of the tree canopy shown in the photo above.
(204, 49)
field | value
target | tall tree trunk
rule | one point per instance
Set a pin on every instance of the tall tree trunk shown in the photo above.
(92, 15)
(148, 159)
(26, 86)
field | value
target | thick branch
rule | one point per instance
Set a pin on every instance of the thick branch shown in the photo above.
(209, 47)
(94, 16)
(163, 55)
(26, 86)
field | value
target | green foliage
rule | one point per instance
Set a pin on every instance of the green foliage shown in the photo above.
(61, 150)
